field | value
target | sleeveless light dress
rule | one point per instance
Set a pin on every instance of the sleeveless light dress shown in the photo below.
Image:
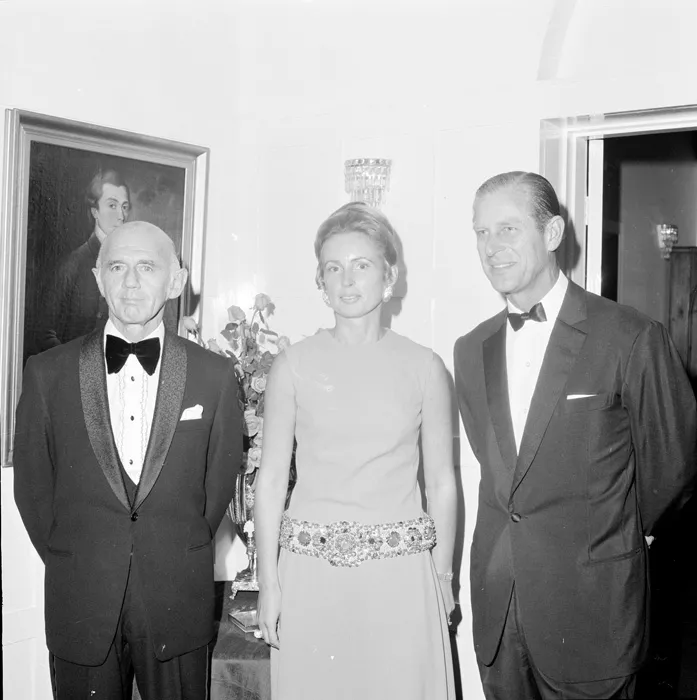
(378, 630)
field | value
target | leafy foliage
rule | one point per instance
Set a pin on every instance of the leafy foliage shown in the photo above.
(252, 346)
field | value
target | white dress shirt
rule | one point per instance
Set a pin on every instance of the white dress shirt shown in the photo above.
(525, 350)
(132, 393)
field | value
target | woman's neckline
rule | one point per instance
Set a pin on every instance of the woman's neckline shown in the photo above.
(375, 343)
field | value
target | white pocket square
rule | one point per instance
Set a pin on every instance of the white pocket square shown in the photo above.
(193, 412)
(571, 397)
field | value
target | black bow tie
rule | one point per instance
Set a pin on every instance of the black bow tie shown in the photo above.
(118, 350)
(536, 313)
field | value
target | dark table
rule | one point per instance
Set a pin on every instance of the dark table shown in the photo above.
(240, 667)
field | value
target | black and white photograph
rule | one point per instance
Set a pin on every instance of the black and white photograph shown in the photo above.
(348, 349)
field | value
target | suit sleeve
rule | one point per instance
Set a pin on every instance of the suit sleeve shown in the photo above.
(459, 361)
(32, 461)
(661, 405)
(224, 458)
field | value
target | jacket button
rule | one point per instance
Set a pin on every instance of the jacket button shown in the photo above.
(134, 516)
(516, 517)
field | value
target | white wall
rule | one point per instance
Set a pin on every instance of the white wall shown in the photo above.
(24, 656)
(283, 92)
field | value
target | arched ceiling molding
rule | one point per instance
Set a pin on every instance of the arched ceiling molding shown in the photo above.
(555, 37)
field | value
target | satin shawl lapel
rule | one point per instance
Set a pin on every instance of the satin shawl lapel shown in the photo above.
(168, 408)
(567, 338)
(496, 381)
(95, 407)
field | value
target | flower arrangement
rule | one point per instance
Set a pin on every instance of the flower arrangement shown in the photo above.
(252, 346)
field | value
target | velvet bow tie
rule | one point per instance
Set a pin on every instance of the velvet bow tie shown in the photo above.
(536, 313)
(118, 350)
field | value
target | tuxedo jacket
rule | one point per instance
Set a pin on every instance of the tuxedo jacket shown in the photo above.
(70, 493)
(564, 518)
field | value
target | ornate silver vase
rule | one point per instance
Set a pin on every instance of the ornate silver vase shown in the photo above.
(241, 512)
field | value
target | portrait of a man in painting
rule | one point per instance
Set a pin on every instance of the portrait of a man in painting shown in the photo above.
(76, 199)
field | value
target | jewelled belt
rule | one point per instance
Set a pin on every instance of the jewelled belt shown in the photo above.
(349, 543)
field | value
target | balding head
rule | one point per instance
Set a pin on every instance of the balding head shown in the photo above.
(137, 271)
(140, 229)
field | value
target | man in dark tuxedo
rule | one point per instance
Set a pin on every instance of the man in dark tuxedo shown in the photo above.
(583, 421)
(126, 447)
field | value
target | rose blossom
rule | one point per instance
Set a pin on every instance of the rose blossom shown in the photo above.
(253, 459)
(190, 324)
(252, 422)
(262, 302)
(214, 347)
(259, 383)
(234, 313)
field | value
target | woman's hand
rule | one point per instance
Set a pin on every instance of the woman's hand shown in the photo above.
(446, 588)
(437, 432)
(270, 491)
(269, 613)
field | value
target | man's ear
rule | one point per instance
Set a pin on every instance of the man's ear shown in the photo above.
(178, 282)
(97, 276)
(554, 233)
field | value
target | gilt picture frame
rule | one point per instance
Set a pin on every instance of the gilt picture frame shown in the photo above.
(50, 169)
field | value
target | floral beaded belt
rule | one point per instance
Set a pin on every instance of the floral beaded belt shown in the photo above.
(348, 543)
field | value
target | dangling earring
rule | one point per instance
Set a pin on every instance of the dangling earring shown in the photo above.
(325, 298)
(387, 294)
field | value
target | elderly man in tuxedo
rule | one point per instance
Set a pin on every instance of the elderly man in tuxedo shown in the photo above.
(583, 421)
(127, 442)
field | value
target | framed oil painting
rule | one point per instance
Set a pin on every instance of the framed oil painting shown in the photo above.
(67, 185)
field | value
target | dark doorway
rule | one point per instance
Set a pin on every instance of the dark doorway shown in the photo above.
(648, 180)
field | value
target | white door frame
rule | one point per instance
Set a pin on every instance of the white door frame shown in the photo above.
(573, 163)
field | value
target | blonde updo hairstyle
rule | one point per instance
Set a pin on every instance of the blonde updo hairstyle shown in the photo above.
(359, 217)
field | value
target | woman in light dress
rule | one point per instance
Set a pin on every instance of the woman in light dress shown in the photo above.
(357, 603)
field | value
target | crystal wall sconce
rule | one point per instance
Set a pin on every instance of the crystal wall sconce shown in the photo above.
(367, 179)
(667, 238)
